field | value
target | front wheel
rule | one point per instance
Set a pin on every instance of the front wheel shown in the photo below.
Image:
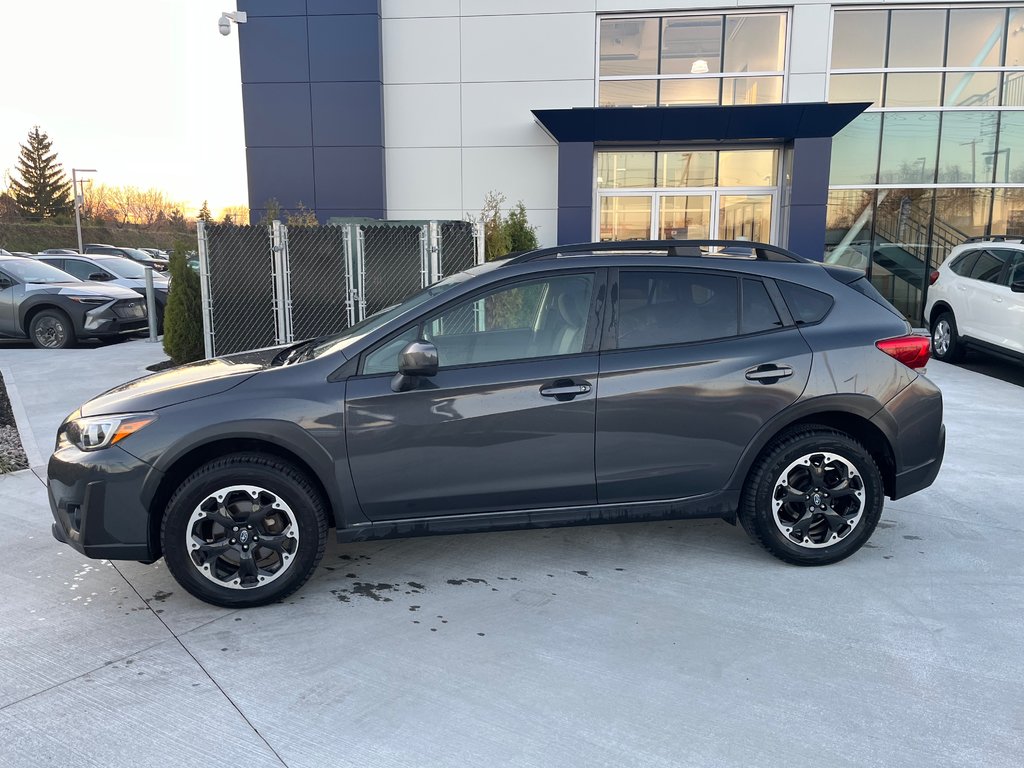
(52, 329)
(946, 344)
(813, 497)
(244, 530)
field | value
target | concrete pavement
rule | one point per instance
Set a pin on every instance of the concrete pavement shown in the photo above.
(665, 644)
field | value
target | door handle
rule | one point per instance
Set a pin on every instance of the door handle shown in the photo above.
(769, 373)
(997, 299)
(565, 389)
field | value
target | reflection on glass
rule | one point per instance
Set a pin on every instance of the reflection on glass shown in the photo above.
(752, 90)
(848, 227)
(913, 89)
(691, 45)
(975, 37)
(629, 46)
(1015, 42)
(747, 168)
(909, 143)
(1013, 89)
(971, 89)
(917, 38)
(626, 218)
(845, 88)
(695, 91)
(1008, 212)
(1009, 157)
(755, 42)
(686, 169)
(628, 93)
(858, 39)
(620, 170)
(959, 214)
(902, 249)
(745, 217)
(684, 217)
(855, 151)
(966, 149)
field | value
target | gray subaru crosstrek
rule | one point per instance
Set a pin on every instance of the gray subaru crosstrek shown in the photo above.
(596, 383)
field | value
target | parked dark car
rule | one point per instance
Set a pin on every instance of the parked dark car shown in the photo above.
(581, 384)
(116, 270)
(54, 309)
(134, 254)
(59, 252)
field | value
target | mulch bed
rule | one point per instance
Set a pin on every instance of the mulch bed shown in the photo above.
(12, 455)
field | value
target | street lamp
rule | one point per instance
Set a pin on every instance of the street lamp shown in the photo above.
(79, 199)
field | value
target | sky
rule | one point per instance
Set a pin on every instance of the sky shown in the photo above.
(147, 92)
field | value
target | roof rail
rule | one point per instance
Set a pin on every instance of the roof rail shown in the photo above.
(761, 251)
(996, 239)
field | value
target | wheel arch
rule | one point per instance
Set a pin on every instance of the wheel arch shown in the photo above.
(190, 460)
(938, 309)
(31, 310)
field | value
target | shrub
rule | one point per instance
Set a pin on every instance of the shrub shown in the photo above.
(183, 317)
(505, 234)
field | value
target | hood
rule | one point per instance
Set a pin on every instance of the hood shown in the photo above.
(83, 289)
(179, 385)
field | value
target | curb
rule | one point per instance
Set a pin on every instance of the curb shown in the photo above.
(28, 441)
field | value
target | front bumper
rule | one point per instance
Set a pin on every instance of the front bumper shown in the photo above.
(113, 320)
(96, 501)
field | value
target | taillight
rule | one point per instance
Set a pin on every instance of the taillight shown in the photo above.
(933, 277)
(912, 351)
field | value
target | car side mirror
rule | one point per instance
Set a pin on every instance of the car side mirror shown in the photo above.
(418, 359)
(1017, 287)
(5, 283)
(99, 276)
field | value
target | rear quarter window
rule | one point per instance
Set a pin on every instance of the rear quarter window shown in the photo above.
(805, 304)
(963, 263)
(864, 287)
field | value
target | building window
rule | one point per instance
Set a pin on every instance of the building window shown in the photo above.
(736, 58)
(939, 155)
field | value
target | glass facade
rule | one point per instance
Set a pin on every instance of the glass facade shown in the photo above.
(939, 155)
(735, 58)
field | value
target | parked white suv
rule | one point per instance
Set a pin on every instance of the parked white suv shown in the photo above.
(976, 299)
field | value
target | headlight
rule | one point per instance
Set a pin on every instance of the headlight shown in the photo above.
(94, 432)
(91, 300)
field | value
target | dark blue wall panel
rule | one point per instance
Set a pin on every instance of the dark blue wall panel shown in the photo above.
(273, 50)
(347, 114)
(811, 160)
(350, 178)
(272, 7)
(807, 230)
(282, 173)
(340, 7)
(575, 191)
(276, 114)
(575, 225)
(344, 48)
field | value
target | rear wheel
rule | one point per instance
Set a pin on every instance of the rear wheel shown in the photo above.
(51, 329)
(244, 530)
(946, 344)
(813, 497)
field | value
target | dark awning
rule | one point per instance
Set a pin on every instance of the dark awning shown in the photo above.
(746, 122)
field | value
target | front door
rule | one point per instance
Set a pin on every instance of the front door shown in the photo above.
(8, 304)
(690, 381)
(508, 421)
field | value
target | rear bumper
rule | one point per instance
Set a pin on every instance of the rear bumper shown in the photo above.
(918, 478)
(918, 436)
(96, 505)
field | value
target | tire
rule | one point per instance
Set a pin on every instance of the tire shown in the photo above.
(777, 507)
(946, 344)
(212, 561)
(51, 328)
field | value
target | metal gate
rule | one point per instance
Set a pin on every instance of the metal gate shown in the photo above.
(268, 284)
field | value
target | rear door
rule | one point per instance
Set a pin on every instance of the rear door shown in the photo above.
(986, 296)
(507, 422)
(1011, 322)
(693, 364)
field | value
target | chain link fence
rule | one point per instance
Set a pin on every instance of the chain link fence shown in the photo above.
(268, 284)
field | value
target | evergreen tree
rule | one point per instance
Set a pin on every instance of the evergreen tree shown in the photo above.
(42, 190)
(177, 220)
(204, 213)
(183, 318)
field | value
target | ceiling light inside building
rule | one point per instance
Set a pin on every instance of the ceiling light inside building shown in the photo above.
(700, 67)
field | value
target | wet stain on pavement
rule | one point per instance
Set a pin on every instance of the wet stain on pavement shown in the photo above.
(159, 597)
(913, 538)
(458, 582)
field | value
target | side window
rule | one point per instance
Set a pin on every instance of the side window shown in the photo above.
(962, 264)
(534, 318)
(80, 269)
(758, 313)
(805, 304)
(989, 266)
(1016, 274)
(384, 359)
(658, 308)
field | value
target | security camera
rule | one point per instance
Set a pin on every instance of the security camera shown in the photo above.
(224, 25)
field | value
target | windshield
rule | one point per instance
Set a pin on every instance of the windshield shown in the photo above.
(337, 341)
(32, 271)
(122, 267)
(138, 255)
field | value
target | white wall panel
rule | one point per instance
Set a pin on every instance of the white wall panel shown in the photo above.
(505, 7)
(807, 87)
(546, 222)
(540, 47)
(498, 114)
(397, 9)
(422, 115)
(809, 46)
(529, 174)
(419, 178)
(421, 50)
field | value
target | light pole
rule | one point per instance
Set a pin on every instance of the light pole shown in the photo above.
(79, 199)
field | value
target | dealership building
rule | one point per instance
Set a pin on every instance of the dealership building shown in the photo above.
(875, 135)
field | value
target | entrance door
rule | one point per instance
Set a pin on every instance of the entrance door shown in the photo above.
(698, 214)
